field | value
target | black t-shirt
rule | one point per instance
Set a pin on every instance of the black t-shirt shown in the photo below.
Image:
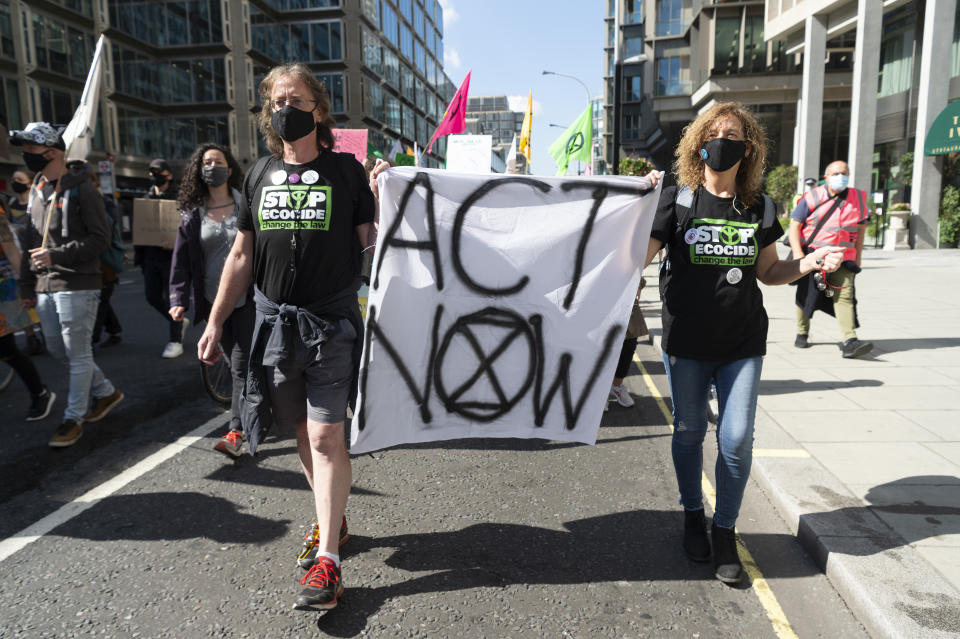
(712, 305)
(305, 244)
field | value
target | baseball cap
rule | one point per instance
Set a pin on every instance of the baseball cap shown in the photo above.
(159, 164)
(42, 133)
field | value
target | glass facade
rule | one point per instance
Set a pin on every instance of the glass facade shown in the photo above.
(60, 48)
(669, 76)
(10, 104)
(669, 17)
(293, 5)
(146, 135)
(168, 81)
(896, 56)
(336, 88)
(6, 32)
(727, 48)
(171, 23)
(316, 41)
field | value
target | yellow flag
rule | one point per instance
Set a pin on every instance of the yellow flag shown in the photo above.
(525, 130)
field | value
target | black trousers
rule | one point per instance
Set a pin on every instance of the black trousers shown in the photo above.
(626, 356)
(22, 364)
(235, 341)
(106, 317)
(156, 286)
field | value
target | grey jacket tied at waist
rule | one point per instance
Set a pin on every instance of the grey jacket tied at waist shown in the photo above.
(276, 333)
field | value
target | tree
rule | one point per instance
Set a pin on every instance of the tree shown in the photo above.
(635, 165)
(781, 186)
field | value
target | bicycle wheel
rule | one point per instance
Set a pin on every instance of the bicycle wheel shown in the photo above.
(6, 376)
(217, 379)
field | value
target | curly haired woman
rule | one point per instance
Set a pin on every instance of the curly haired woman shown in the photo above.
(720, 232)
(209, 201)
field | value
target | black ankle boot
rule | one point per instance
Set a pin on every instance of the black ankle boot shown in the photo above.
(695, 541)
(725, 557)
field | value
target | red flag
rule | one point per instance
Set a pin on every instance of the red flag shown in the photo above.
(454, 118)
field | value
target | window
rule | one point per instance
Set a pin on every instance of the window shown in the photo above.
(371, 9)
(391, 68)
(393, 116)
(170, 23)
(390, 24)
(669, 17)
(955, 48)
(754, 46)
(438, 17)
(371, 51)
(147, 135)
(633, 11)
(60, 49)
(326, 41)
(896, 56)
(421, 90)
(431, 41)
(10, 104)
(79, 6)
(6, 32)
(406, 42)
(409, 123)
(372, 100)
(406, 80)
(406, 9)
(293, 5)
(727, 49)
(632, 88)
(421, 128)
(169, 81)
(418, 23)
(669, 77)
(632, 47)
(431, 71)
(420, 57)
(336, 89)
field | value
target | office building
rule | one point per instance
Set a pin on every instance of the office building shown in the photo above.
(181, 73)
(678, 57)
(491, 115)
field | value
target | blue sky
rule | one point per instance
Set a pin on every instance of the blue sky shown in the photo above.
(508, 43)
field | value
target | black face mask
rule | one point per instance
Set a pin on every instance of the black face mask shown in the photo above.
(214, 175)
(292, 124)
(20, 187)
(159, 179)
(35, 161)
(721, 154)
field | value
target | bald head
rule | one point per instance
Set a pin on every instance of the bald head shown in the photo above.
(837, 177)
(835, 168)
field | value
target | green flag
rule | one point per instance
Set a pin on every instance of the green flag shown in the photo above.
(575, 143)
(372, 150)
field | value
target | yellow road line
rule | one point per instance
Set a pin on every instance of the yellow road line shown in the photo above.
(760, 586)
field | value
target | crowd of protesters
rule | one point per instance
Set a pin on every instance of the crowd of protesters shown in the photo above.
(279, 301)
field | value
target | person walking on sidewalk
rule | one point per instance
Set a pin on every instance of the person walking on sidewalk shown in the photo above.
(833, 214)
(306, 213)
(106, 317)
(720, 234)
(20, 182)
(61, 275)
(156, 261)
(209, 199)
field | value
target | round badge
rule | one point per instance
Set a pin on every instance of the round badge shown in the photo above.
(690, 237)
(293, 178)
(734, 275)
(278, 177)
(310, 177)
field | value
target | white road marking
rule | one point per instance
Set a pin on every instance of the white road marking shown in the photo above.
(20, 540)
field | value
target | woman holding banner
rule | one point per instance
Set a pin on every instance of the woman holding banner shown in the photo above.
(209, 201)
(720, 232)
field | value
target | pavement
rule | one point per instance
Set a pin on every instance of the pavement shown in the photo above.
(862, 456)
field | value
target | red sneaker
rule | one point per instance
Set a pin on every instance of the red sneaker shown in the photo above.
(230, 444)
(323, 586)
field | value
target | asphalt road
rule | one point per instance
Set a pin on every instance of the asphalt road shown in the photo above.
(473, 538)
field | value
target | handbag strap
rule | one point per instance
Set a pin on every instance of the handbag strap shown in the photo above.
(823, 220)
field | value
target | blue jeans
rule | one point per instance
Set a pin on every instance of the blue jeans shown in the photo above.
(738, 384)
(67, 318)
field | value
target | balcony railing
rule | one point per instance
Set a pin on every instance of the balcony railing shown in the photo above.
(666, 88)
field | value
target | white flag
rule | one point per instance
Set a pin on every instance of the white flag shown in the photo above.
(511, 158)
(394, 150)
(78, 136)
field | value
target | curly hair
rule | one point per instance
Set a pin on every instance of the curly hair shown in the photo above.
(689, 166)
(301, 72)
(193, 190)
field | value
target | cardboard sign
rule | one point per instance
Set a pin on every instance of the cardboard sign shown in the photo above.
(351, 141)
(469, 153)
(155, 222)
(497, 305)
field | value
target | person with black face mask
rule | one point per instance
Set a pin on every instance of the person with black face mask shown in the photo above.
(720, 232)
(306, 213)
(209, 199)
(155, 261)
(17, 213)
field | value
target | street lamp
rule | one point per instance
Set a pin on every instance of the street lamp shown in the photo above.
(572, 77)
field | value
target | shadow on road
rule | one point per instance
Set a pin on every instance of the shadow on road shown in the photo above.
(631, 546)
(165, 516)
(788, 386)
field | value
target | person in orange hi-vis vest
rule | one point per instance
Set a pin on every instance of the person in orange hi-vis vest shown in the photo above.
(832, 214)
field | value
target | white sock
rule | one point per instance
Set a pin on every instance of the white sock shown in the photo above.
(330, 555)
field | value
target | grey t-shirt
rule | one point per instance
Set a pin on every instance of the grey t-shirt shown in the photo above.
(216, 238)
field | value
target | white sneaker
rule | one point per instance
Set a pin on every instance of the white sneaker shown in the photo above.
(172, 350)
(622, 395)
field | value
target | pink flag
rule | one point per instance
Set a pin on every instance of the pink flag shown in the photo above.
(454, 118)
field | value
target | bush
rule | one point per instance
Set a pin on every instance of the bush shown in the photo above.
(899, 206)
(636, 166)
(781, 186)
(906, 168)
(950, 216)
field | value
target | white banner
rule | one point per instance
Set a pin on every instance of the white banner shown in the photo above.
(469, 153)
(497, 305)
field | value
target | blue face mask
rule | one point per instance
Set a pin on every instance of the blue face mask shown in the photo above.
(838, 182)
